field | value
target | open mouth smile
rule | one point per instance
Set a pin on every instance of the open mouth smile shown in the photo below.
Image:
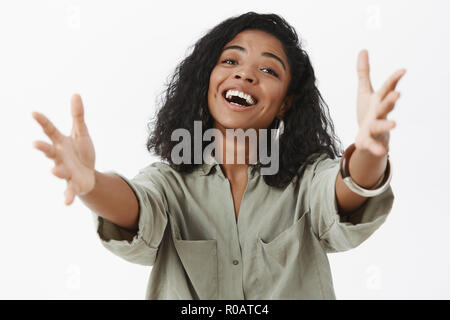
(239, 100)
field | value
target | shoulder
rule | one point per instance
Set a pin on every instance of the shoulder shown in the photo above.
(324, 161)
(163, 174)
(158, 170)
(317, 163)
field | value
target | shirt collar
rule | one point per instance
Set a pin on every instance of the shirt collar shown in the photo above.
(210, 162)
(206, 168)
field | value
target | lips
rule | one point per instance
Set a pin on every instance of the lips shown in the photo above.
(239, 108)
(240, 97)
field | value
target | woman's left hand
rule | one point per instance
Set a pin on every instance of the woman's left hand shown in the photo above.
(373, 108)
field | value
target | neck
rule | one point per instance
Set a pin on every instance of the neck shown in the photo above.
(236, 154)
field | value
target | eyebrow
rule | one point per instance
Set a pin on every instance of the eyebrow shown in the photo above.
(266, 54)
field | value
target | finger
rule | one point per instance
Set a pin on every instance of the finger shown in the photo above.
(380, 127)
(79, 127)
(363, 70)
(46, 148)
(387, 105)
(376, 147)
(391, 83)
(69, 194)
(50, 130)
(62, 172)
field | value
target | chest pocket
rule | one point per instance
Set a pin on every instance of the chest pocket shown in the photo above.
(285, 266)
(288, 243)
(199, 259)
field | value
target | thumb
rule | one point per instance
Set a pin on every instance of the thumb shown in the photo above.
(69, 194)
(79, 127)
(363, 69)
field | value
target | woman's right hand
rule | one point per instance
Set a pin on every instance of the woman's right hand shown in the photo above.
(74, 155)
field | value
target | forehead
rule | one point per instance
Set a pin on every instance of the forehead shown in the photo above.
(258, 40)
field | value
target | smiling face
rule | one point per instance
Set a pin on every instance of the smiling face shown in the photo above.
(248, 85)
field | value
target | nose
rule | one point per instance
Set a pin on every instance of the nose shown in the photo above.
(241, 74)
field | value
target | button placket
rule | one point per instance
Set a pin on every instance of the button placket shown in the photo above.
(235, 250)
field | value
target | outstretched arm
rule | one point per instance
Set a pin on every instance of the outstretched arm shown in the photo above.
(74, 156)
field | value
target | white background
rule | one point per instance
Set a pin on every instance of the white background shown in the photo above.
(118, 56)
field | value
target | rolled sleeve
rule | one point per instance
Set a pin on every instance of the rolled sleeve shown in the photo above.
(138, 247)
(335, 232)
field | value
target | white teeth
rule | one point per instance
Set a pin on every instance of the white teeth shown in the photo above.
(240, 94)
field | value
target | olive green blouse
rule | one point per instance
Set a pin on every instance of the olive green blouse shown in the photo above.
(277, 249)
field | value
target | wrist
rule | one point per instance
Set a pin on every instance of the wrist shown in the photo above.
(378, 186)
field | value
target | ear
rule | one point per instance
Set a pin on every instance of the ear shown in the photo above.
(285, 106)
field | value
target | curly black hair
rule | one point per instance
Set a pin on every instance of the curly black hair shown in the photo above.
(309, 130)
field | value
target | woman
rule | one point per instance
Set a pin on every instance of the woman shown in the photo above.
(220, 229)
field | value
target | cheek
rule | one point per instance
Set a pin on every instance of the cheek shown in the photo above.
(215, 79)
(274, 93)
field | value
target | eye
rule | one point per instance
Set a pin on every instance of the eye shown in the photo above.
(229, 61)
(270, 71)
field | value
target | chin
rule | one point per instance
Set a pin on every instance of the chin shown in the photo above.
(228, 123)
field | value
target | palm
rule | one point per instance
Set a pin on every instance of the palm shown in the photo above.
(78, 156)
(373, 108)
(74, 155)
(83, 148)
(363, 103)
